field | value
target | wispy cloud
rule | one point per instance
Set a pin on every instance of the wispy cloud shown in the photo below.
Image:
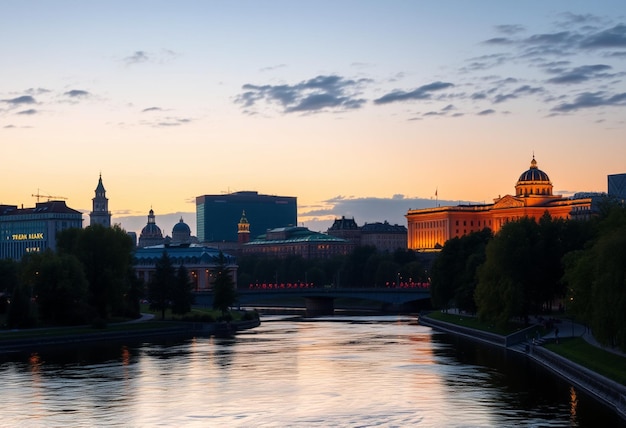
(77, 93)
(321, 93)
(424, 92)
(28, 112)
(591, 100)
(24, 99)
(161, 56)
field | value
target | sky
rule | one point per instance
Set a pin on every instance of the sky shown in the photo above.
(363, 109)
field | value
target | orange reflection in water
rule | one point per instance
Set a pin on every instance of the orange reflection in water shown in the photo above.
(34, 363)
(573, 404)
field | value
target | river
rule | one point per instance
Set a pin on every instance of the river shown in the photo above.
(327, 372)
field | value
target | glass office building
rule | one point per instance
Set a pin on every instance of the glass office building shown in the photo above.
(26, 230)
(218, 215)
(617, 186)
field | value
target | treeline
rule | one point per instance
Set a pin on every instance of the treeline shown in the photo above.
(364, 267)
(534, 267)
(88, 279)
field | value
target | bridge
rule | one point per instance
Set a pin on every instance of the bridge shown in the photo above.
(321, 301)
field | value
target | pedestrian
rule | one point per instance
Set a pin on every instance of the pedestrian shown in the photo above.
(556, 334)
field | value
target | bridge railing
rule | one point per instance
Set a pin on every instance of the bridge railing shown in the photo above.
(308, 285)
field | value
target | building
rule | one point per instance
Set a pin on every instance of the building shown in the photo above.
(26, 230)
(617, 186)
(346, 228)
(297, 241)
(181, 234)
(201, 262)
(100, 213)
(218, 215)
(430, 228)
(151, 233)
(384, 236)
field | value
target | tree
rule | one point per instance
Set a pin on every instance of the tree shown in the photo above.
(454, 271)
(224, 292)
(8, 281)
(59, 287)
(596, 279)
(507, 284)
(106, 255)
(161, 285)
(182, 292)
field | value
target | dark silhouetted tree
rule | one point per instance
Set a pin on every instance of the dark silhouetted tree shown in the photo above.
(182, 293)
(106, 255)
(224, 292)
(161, 284)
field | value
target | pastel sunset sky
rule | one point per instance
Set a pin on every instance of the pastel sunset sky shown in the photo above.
(357, 108)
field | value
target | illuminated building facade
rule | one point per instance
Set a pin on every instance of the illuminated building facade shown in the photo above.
(201, 263)
(430, 228)
(297, 241)
(26, 230)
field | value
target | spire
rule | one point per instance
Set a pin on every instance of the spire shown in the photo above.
(100, 206)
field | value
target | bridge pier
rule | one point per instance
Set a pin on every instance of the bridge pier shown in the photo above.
(316, 306)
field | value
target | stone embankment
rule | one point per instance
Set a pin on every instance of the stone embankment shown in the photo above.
(605, 390)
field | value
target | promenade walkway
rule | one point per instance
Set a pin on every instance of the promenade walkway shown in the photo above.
(606, 390)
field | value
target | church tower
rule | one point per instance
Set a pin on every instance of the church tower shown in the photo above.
(243, 229)
(100, 213)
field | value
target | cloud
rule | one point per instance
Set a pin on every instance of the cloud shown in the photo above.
(424, 92)
(149, 109)
(522, 90)
(580, 74)
(587, 100)
(28, 112)
(272, 68)
(365, 210)
(162, 56)
(77, 93)
(24, 99)
(509, 29)
(321, 93)
(610, 38)
(486, 112)
(137, 57)
(167, 122)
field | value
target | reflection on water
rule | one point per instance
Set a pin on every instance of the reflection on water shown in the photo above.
(350, 371)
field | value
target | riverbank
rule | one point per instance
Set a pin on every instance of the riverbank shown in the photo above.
(609, 392)
(140, 329)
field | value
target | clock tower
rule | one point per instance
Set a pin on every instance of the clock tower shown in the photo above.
(100, 213)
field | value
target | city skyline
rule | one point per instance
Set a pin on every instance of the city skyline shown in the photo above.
(357, 108)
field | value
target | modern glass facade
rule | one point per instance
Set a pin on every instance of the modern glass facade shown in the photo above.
(26, 230)
(617, 186)
(218, 216)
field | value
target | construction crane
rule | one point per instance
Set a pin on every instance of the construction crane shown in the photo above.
(49, 197)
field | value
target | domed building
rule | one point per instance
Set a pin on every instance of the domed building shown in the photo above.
(533, 182)
(181, 233)
(151, 233)
(430, 228)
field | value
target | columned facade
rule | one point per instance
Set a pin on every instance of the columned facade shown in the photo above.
(430, 228)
